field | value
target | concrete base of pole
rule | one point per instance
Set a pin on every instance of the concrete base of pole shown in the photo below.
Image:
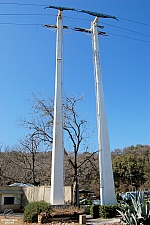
(82, 219)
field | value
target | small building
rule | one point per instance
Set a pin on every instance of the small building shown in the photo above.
(10, 198)
(17, 197)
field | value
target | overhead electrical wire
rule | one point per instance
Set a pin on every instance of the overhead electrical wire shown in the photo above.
(43, 14)
(38, 24)
(136, 39)
(39, 14)
(126, 29)
(133, 21)
(37, 5)
(26, 14)
(21, 4)
(77, 18)
(111, 25)
(21, 24)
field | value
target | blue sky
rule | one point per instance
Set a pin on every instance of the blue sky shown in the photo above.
(27, 65)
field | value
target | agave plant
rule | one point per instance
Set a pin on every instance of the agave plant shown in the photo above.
(127, 216)
(136, 215)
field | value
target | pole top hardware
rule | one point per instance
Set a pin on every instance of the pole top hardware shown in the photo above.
(60, 8)
(54, 26)
(82, 11)
(87, 30)
(98, 14)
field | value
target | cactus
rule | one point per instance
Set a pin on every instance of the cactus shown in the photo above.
(138, 214)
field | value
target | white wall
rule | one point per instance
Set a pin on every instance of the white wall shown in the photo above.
(43, 193)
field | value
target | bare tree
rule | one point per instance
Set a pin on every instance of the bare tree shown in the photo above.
(29, 153)
(41, 123)
(76, 129)
(12, 165)
(41, 126)
(25, 163)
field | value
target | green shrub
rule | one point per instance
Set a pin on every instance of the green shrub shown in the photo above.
(94, 211)
(32, 210)
(86, 209)
(108, 211)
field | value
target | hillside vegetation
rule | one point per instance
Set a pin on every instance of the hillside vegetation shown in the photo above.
(131, 167)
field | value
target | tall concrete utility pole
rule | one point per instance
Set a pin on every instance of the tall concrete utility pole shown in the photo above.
(107, 190)
(57, 180)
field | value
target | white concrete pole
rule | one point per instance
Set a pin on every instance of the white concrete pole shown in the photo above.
(57, 180)
(107, 190)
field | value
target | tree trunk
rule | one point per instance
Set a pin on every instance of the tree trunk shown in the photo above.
(75, 192)
(75, 182)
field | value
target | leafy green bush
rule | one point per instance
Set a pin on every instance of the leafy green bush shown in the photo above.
(86, 209)
(108, 211)
(32, 210)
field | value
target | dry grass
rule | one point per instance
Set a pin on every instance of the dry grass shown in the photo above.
(19, 221)
(13, 220)
(66, 211)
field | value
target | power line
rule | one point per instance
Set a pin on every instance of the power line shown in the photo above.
(21, 24)
(42, 14)
(126, 29)
(25, 14)
(136, 39)
(112, 25)
(133, 21)
(77, 18)
(37, 5)
(21, 4)
(72, 28)
(103, 33)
